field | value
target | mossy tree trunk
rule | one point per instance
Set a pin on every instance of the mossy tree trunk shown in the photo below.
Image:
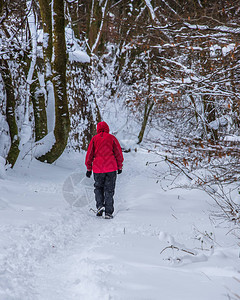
(34, 92)
(62, 123)
(10, 112)
(46, 15)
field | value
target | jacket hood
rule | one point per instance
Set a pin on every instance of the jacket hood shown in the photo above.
(102, 127)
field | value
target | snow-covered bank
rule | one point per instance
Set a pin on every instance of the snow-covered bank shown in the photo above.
(49, 250)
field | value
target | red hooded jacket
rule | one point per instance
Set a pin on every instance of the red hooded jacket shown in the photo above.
(104, 152)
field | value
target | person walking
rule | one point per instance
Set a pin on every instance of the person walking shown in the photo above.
(104, 157)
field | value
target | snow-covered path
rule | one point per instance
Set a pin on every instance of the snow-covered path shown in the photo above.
(73, 272)
(50, 251)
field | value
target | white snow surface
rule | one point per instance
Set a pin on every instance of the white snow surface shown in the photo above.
(43, 146)
(79, 56)
(50, 250)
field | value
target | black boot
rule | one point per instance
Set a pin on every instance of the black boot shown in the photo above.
(108, 216)
(100, 211)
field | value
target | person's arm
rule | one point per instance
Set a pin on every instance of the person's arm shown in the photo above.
(90, 156)
(117, 150)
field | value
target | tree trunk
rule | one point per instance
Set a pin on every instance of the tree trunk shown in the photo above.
(1, 6)
(39, 108)
(10, 113)
(46, 14)
(147, 109)
(62, 123)
(149, 104)
(34, 92)
(96, 24)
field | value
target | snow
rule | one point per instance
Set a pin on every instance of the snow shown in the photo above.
(50, 109)
(2, 167)
(75, 52)
(79, 56)
(44, 145)
(192, 26)
(159, 242)
(25, 133)
(4, 137)
(45, 39)
(222, 121)
(228, 48)
(232, 138)
(216, 49)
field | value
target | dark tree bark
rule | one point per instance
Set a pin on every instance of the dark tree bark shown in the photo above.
(147, 109)
(10, 112)
(46, 14)
(1, 6)
(148, 104)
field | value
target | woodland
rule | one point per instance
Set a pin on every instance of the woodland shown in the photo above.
(173, 65)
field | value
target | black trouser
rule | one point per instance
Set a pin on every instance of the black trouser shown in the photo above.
(104, 190)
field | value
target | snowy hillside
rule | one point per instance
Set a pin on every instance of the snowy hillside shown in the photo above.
(160, 245)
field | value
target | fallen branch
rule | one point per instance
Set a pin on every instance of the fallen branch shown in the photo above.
(174, 247)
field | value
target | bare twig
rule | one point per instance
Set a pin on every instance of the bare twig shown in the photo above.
(173, 163)
(174, 247)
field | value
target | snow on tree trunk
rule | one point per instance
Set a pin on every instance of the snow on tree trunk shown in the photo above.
(40, 115)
